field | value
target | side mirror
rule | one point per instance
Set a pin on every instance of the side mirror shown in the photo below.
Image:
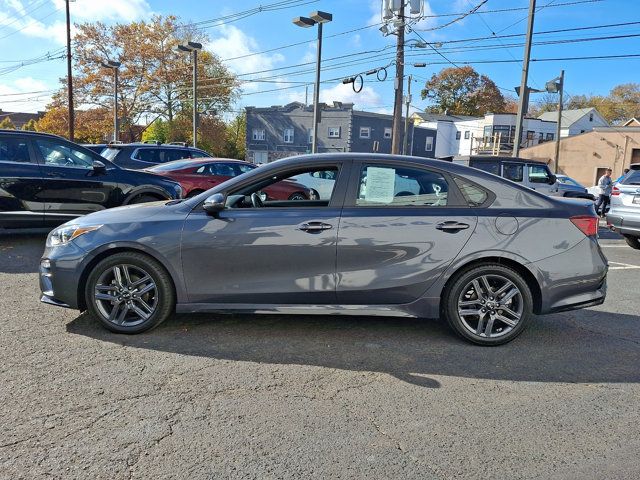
(215, 203)
(99, 167)
(553, 179)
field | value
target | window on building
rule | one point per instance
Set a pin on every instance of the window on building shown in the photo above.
(458, 135)
(591, 117)
(428, 146)
(365, 132)
(504, 132)
(387, 132)
(540, 137)
(258, 134)
(334, 132)
(582, 131)
(549, 136)
(530, 134)
(487, 133)
(288, 135)
(467, 134)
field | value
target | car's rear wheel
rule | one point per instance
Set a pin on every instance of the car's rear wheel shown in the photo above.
(633, 242)
(489, 304)
(129, 292)
(297, 196)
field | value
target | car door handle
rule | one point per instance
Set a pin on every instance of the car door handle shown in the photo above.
(314, 227)
(451, 226)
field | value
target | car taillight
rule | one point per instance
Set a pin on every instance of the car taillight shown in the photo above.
(587, 224)
(615, 191)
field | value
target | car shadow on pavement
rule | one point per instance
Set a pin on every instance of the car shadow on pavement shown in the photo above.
(20, 250)
(605, 347)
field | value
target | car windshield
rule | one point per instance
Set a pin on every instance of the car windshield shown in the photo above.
(170, 166)
(632, 178)
(110, 153)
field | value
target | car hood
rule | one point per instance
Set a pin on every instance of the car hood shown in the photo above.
(126, 214)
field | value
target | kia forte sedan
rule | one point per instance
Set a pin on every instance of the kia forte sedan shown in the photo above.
(482, 252)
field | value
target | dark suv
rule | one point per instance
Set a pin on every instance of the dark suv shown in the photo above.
(46, 180)
(143, 155)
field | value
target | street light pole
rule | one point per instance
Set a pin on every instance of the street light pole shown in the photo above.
(114, 66)
(523, 101)
(558, 126)
(193, 47)
(69, 76)
(306, 22)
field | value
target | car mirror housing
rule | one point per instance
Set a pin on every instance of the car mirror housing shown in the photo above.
(215, 203)
(552, 179)
(98, 166)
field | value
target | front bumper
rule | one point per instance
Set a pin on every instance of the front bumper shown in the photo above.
(59, 274)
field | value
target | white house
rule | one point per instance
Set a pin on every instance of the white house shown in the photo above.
(576, 121)
(491, 134)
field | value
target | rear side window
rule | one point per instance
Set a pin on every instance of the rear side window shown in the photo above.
(491, 167)
(110, 153)
(473, 194)
(171, 154)
(513, 172)
(149, 155)
(401, 186)
(13, 149)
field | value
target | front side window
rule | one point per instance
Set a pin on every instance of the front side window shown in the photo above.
(365, 132)
(401, 186)
(61, 155)
(539, 174)
(14, 149)
(258, 134)
(288, 135)
(513, 172)
(292, 189)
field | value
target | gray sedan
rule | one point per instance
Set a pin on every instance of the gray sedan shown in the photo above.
(397, 236)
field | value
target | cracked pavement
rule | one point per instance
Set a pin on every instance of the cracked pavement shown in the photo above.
(277, 397)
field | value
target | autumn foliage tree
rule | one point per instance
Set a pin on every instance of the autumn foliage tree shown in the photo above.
(463, 91)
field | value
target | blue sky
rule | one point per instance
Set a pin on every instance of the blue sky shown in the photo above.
(31, 28)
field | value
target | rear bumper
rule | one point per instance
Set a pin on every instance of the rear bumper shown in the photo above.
(624, 223)
(572, 280)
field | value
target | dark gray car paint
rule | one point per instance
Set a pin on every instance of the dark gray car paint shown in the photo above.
(256, 260)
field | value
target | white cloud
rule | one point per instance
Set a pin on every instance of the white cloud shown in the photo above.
(344, 93)
(116, 10)
(233, 43)
(15, 96)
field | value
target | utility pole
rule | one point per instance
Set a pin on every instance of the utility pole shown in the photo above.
(405, 144)
(399, 81)
(558, 127)
(523, 101)
(195, 97)
(69, 77)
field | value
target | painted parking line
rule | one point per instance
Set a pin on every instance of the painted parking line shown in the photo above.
(622, 266)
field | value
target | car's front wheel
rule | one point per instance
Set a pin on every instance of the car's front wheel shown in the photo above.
(489, 304)
(129, 292)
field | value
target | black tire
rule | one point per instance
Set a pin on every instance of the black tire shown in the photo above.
(163, 294)
(144, 198)
(460, 290)
(633, 242)
(193, 193)
(297, 196)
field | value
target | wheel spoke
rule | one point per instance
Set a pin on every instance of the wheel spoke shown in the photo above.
(509, 295)
(468, 303)
(508, 311)
(485, 284)
(481, 322)
(105, 288)
(127, 277)
(123, 314)
(114, 312)
(504, 287)
(503, 319)
(144, 305)
(141, 281)
(139, 312)
(476, 287)
(469, 312)
(146, 289)
(489, 327)
(106, 297)
(117, 275)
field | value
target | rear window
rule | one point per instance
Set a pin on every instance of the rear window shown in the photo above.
(473, 194)
(632, 178)
(168, 167)
(110, 153)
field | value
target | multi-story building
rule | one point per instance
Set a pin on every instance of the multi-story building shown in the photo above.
(283, 131)
(575, 122)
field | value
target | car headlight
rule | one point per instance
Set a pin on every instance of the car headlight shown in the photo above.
(64, 234)
(178, 190)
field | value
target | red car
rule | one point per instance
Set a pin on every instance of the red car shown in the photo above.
(200, 174)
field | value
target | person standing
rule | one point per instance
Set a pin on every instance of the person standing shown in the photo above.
(624, 174)
(605, 184)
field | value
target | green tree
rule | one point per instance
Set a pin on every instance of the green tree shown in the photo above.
(463, 91)
(235, 137)
(7, 124)
(158, 130)
(31, 125)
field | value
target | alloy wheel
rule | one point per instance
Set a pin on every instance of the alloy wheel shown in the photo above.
(490, 306)
(126, 295)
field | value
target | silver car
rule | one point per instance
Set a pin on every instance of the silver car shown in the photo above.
(624, 212)
(482, 252)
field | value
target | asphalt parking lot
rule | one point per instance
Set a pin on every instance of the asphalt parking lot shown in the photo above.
(315, 397)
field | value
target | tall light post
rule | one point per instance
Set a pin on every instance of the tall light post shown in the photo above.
(306, 22)
(114, 66)
(69, 76)
(193, 47)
